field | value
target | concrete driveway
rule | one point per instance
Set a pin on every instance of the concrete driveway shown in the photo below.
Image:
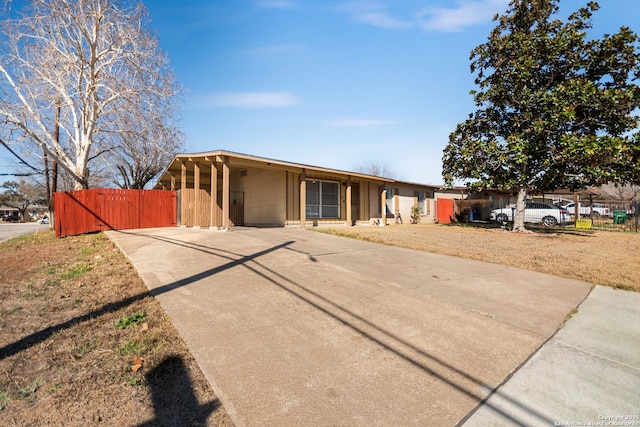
(293, 327)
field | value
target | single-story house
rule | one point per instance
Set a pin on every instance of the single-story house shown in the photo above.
(256, 191)
(7, 210)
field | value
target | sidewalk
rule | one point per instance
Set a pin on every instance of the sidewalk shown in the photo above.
(588, 373)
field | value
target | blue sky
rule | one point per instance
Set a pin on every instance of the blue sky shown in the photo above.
(334, 83)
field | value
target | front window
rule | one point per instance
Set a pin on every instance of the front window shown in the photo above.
(323, 199)
(422, 197)
(390, 193)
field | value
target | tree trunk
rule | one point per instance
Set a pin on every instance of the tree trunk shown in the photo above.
(518, 217)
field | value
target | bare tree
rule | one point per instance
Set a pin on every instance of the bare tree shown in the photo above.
(22, 194)
(622, 191)
(144, 153)
(97, 60)
(380, 169)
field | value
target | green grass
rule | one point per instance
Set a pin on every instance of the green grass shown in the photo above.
(131, 347)
(80, 351)
(75, 271)
(24, 238)
(134, 382)
(4, 399)
(133, 319)
(54, 388)
(34, 295)
(28, 391)
(63, 272)
(9, 312)
(55, 282)
(87, 251)
(31, 239)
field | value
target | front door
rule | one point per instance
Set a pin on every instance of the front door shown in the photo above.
(236, 207)
(355, 203)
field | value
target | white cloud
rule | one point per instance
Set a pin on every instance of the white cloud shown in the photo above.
(359, 122)
(373, 13)
(277, 4)
(250, 100)
(468, 13)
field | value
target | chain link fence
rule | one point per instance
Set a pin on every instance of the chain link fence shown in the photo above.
(609, 215)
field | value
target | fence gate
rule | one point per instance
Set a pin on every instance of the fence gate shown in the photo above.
(444, 208)
(99, 209)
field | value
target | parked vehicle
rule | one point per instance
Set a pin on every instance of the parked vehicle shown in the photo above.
(598, 210)
(11, 218)
(43, 220)
(535, 212)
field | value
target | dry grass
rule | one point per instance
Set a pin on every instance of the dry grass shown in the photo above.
(63, 360)
(603, 258)
(74, 315)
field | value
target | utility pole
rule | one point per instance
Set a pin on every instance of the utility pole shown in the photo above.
(54, 171)
(46, 178)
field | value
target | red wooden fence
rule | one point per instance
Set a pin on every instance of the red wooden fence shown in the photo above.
(99, 209)
(444, 212)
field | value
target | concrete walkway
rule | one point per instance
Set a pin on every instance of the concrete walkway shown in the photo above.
(293, 327)
(588, 374)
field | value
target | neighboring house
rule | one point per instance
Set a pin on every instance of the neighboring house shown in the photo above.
(256, 191)
(7, 210)
(455, 193)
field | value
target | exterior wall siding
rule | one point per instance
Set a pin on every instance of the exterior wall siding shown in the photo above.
(265, 196)
(403, 199)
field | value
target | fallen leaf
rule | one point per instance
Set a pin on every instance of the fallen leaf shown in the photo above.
(137, 364)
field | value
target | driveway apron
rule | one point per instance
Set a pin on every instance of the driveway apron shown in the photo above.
(293, 327)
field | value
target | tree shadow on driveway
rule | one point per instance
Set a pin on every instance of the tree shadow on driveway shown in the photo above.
(385, 339)
(41, 336)
(445, 372)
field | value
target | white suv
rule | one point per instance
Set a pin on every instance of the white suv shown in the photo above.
(536, 212)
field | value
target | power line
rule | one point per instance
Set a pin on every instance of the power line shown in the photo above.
(20, 159)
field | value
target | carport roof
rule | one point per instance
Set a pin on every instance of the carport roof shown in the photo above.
(240, 161)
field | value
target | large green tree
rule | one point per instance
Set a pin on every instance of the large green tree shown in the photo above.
(555, 108)
(22, 194)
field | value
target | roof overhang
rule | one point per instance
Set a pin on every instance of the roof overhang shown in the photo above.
(245, 161)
